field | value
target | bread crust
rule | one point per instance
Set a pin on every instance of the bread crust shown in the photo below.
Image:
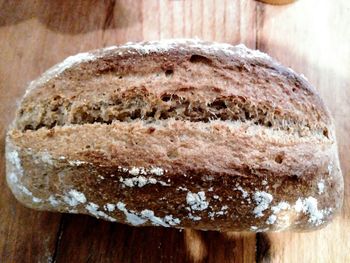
(270, 164)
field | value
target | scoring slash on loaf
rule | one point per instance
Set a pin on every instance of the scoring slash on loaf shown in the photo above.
(177, 133)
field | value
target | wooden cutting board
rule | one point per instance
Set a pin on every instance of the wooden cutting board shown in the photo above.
(311, 36)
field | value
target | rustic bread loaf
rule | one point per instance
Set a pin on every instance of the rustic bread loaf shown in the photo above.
(179, 133)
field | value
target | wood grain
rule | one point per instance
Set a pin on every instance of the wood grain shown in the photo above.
(37, 34)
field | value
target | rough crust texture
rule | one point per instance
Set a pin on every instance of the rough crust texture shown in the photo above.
(179, 133)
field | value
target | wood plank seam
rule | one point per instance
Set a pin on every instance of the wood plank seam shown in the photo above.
(58, 238)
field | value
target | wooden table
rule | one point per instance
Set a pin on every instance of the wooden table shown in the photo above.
(311, 36)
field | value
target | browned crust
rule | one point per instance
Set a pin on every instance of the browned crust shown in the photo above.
(239, 165)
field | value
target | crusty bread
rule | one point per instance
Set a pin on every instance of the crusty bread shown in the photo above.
(178, 133)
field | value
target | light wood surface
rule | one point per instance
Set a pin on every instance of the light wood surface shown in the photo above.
(311, 36)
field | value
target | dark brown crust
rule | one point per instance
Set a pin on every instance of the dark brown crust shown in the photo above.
(247, 171)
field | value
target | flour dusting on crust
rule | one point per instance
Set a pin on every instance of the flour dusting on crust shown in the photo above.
(135, 218)
(197, 201)
(309, 206)
(146, 48)
(263, 200)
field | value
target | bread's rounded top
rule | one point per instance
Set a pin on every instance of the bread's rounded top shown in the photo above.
(185, 79)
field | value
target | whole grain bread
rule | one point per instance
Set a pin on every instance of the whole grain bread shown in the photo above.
(177, 133)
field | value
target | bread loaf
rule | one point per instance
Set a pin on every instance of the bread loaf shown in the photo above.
(177, 133)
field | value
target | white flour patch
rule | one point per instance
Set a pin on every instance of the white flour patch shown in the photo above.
(109, 207)
(92, 208)
(157, 171)
(53, 201)
(76, 162)
(263, 200)
(145, 215)
(222, 212)
(330, 168)
(140, 181)
(36, 200)
(135, 171)
(131, 218)
(197, 201)
(74, 198)
(168, 44)
(271, 219)
(13, 158)
(244, 193)
(320, 186)
(171, 220)
(309, 206)
(157, 221)
(46, 158)
(283, 205)
(29, 193)
(13, 178)
(194, 218)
